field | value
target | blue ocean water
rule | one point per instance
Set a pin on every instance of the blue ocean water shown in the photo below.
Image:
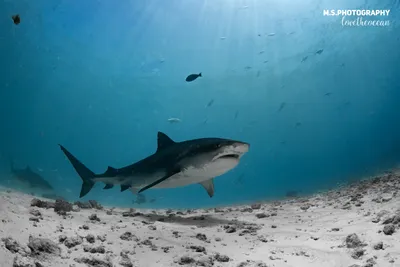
(317, 101)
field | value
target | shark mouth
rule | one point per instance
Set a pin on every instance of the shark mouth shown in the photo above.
(229, 156)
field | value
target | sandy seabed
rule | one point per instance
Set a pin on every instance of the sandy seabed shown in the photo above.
(353, 226)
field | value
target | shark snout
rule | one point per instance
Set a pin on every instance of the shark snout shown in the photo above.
(241, 147)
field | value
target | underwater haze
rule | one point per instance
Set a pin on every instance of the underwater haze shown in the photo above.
(317, 101)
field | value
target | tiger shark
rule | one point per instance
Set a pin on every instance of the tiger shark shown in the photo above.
(174, 164)
(34, 180)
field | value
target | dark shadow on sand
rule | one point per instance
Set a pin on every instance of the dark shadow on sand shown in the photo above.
(194, 220)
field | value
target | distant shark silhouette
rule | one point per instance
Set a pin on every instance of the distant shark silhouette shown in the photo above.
(33, 179)
(140, 199)
(174, 164)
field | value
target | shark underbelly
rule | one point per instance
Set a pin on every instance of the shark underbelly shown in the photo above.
(188, 175)
(193, 175)
(180, 179)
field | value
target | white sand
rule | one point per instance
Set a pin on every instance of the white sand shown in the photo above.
(298, 232)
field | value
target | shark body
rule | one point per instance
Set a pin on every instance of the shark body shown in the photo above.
(31, 178)
(174, 164)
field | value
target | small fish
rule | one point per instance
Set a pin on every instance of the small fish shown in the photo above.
(239, 179)
(298, 124)
(140, 199)
(319, 52)
(271, 34)
(304, 58)
(222, 37)
(328, 94)
(258, 74)
(174, 120)
(210, 103)
(193, 77)
(16, 18)
(247, 68)
(265, 61)
(236, 114)
(282, 106)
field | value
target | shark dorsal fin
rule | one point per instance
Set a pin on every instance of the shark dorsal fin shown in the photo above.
(111, 171)
(163, 141)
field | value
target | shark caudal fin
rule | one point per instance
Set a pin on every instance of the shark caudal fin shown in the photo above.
(85, 174)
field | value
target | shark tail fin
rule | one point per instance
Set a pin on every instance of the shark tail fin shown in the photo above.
(84, 172)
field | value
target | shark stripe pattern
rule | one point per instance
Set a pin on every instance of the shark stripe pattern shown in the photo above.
(174, 164)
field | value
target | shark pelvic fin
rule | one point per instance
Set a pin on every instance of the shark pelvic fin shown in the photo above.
(108, 186)
(165, 177)
(124, 187)
(209, 186)
(163, 141)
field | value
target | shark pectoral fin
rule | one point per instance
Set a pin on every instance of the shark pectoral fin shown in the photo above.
(165, 177)
(209, 186)
(108, 186)
(124, 187)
